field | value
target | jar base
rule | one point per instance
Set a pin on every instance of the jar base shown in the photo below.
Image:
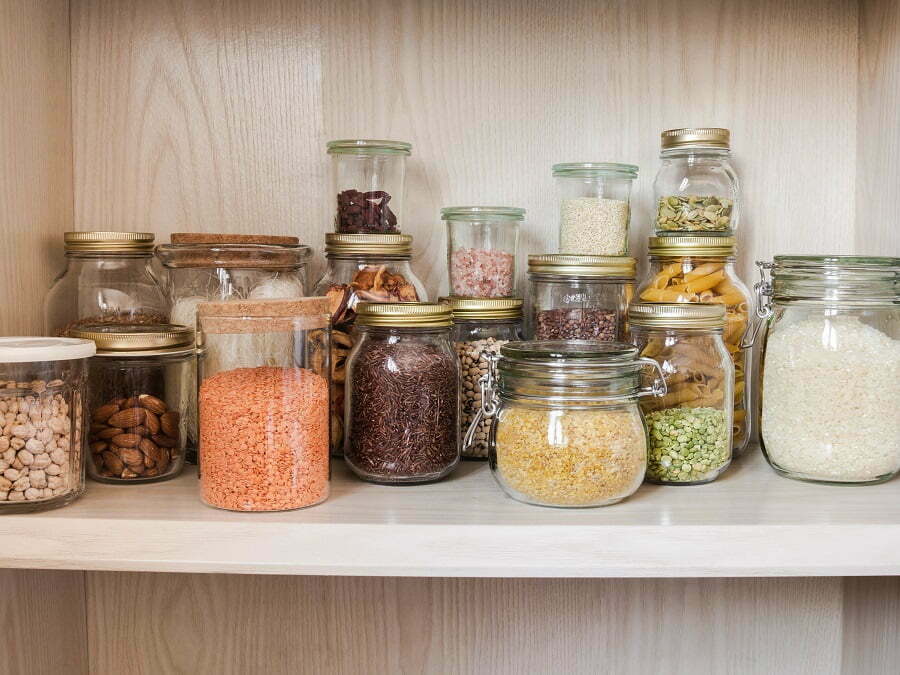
(142, 480)
(291, 508)
(393, 480)
(829, 481)
(40, 504)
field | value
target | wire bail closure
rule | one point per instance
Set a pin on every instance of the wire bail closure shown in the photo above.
(764, 291)
(489, 399)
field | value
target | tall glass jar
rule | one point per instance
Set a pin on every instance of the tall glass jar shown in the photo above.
(139, 387)
(263, 403)
(368, 178)
(368, 267)
(567, 430)
(696, 188)
(579, 297)
(831, 367)
(480, 328)
(690, 427)
(108, 279)
(42, 388)
(594, 207)
(701, 270)
(402, 407)
(481, 249)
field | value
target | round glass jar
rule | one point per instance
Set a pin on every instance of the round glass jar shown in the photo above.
(567, 429)
(263, 404)
(368, 178)
(696, 189)
(579, 297)
(481, 249)
(701, 270)
(108, 279)
(480, 328)
(139, 387)
(42, 389)
(402, 407)
(594, 207)
(831, 367)
(689, 427)
(361, 267)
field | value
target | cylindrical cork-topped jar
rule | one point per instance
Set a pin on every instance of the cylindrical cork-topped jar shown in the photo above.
(579, 297)
(481, 249)
(263, 403)
(402, 407)
(368, 178)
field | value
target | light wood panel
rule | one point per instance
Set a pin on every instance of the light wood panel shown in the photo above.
(871, 619)
(35, 156)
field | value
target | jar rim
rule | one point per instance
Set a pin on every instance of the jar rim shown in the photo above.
(593, 266)
(682, 315)
(474, 309)
(595, 169)
(235, 256)
(128, 338)
(368, 146)
(478, 213)
(403, 314)
(103, 241)
(337, 243)
(696, 137)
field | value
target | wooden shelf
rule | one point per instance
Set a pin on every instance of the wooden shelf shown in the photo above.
(749, 523)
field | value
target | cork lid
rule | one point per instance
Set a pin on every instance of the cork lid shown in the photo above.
(241, 317)
(220, 238)
(265, 308)
(234, 251)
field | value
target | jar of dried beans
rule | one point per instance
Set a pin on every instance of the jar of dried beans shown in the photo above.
(402, 410)
(567, 429)
(42, 388)
(579, 297)
(139, 387)
(594, 207)
(108, 279)
(263, 403)
(368, 178)
(481, 249)
(367, 267)
(480, 328)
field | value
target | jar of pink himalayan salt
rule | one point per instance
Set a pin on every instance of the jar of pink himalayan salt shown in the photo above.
(481, 249)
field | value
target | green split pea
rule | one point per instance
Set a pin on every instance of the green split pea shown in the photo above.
(687, 444)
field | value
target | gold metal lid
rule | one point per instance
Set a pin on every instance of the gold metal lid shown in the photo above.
(676, 315)
(135, 337)
(368, 244)
(403, 314)
(112, 242)
(483, 308)
(562, 264)
(697, 137)
(676, 246)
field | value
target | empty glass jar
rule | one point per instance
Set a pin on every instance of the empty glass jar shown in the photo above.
(481, 249)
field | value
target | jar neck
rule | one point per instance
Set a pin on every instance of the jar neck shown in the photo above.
(665, 259)
(405, 331)
(85, 256)
(668, 331)
(699, 153)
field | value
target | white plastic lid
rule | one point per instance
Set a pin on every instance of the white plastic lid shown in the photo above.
(34, 349)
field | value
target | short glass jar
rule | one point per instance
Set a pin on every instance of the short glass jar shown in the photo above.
(831, 367)
(594, 207)
(481, 249)
(481, 327)
(42, 389)
(689, 427)
(368, 178)
(567, 430)
(108, 279)
(579, 297)
(701, 270)
(139, 386)
(367, 267)
(402, 407)
(263, 404)
(696, 188)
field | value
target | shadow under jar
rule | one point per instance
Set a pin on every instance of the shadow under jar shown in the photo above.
(689, 427)
(567, 429)
(402, 408)
(579, 297)
(481, 249)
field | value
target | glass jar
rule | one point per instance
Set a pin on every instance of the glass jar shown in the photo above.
(567, 430)
(205, 267)
(594, 207)
(369, 267)
(831, 367)
(481, 249)
(402, 407)
(263, 403)
(108, 279)
(579, 297)
(696, 188)
(701, 270)
(480, 328)
(139, 387)
(690, 427)
(42, 389)
(368, 178)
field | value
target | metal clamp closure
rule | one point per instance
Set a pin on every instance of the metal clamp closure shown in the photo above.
(764, 291)
(490, 401)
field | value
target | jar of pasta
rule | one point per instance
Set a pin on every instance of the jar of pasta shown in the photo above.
(567, 430)
(579, 297)
(701, 270)
(689, 427)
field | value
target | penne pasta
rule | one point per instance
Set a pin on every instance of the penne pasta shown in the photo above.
(704, 270)
(704, 283)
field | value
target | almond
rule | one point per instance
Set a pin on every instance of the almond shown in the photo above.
(149, 448)
(104, 412)
(149, 473)
(108, 433)
(163, 462)
(98, 446)
(149, 462)
(113, 462)
(163, 441)
(139, 430)
(130, 402)
(152, 423)
(132, 457)
(169, 424)
(127, 472)
(128, 417)
(153, 404)
(126, 440)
